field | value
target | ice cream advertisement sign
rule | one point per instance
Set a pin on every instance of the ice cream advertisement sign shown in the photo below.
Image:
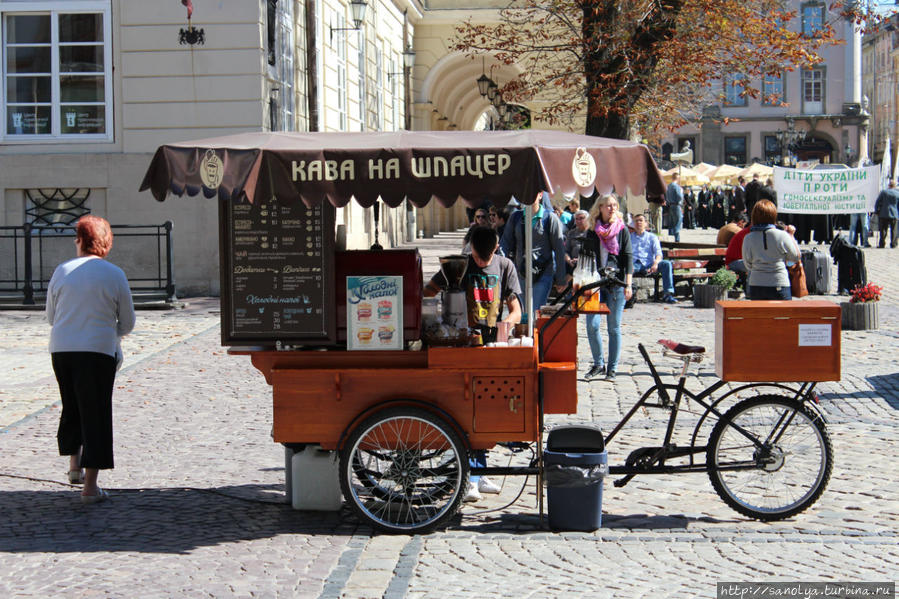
(374, 312)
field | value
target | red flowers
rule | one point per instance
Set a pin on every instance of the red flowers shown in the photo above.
(866, 293)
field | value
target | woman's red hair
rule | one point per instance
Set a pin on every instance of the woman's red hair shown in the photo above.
(764, 213)
(95, 235)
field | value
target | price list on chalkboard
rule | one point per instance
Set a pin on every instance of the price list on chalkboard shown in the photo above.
(279, 277)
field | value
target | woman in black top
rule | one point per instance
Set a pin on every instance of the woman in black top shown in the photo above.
(609, 240)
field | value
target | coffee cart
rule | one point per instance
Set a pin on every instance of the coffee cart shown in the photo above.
(403, 416)
(337, 334)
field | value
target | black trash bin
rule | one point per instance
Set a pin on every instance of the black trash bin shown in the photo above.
(575, 463)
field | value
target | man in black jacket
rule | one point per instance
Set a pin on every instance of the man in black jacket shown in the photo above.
(752, 193)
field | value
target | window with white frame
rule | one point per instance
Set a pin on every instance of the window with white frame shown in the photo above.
(813, 91)
(286, 72)
(395, 100)
(733, 90)
(341, 68)
(57, 67)
(772, 90)
(378, 112)
(812, 18)
(363, 80)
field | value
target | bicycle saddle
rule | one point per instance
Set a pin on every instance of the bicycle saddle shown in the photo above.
(680, 348)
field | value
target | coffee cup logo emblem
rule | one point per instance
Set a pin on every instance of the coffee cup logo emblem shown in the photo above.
(212, 171)
(583, 168)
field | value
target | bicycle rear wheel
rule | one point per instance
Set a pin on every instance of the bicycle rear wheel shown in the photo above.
(781, 468)
(404, 470)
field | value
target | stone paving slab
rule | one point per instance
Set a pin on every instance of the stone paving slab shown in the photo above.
(198, 491)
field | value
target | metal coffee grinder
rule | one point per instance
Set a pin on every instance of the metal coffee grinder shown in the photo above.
(455, 307)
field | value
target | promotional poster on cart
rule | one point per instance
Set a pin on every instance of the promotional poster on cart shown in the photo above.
(374, 312)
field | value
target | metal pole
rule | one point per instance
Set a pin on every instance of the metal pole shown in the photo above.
(169, 263)
(528, 263)
(28, 288)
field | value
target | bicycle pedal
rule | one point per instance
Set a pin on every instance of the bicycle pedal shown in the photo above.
(623, 481)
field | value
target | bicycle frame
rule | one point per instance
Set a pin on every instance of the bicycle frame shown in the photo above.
(651, 460)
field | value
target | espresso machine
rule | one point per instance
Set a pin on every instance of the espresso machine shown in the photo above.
(455, 306)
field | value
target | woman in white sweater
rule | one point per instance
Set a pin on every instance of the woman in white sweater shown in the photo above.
(765, 252)
(89, 307)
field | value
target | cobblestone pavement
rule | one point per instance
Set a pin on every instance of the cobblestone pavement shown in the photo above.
(197, 507)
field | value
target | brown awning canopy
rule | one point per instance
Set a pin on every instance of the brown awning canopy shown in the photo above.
(418, 165)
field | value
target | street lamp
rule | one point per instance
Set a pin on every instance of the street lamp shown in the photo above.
(492, 90)
(408, 62)
(484, 81)
(788, 139)
(357, 8)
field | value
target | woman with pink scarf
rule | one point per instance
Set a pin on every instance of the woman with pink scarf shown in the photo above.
(609, 240)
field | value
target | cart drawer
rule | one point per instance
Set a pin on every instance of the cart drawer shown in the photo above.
(780, 341)
(499, 404)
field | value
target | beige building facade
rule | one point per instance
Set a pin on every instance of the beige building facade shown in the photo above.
(880, 84)
(93, 87)
(823, 117)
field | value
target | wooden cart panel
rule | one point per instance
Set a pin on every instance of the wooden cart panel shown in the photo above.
(317, 406)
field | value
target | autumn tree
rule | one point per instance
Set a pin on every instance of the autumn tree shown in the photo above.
(648, 63)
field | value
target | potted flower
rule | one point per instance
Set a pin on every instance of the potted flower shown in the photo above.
(860, 312)
(715, 288)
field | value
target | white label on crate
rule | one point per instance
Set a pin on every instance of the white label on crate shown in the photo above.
(814, 335)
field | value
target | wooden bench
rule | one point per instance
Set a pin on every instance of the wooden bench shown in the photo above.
(691, 263)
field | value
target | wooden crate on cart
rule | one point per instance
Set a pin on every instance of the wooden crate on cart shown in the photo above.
(779, 341)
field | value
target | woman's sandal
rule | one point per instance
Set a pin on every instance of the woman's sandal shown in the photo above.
(76, 477)
(100, 496)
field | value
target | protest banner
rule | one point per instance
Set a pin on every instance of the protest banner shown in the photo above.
(830, 191)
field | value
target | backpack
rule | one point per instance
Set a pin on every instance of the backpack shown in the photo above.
(850, 261)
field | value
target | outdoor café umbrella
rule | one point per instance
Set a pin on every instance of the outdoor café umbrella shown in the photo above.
(757, 168)
(688, 176)
(725, 175)
(704, 167)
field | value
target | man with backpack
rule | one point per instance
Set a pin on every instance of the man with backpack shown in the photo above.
(548, 242)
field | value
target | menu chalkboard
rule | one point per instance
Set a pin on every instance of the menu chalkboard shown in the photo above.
(277, 273)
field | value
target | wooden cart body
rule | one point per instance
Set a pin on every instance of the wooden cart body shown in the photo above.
(489, 394)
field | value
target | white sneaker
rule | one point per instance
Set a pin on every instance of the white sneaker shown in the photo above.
(473, 494)
(485, 485)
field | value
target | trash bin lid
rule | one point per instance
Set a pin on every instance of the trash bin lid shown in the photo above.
(576, 438)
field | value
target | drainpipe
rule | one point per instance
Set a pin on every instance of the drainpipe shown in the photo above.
(311, 67)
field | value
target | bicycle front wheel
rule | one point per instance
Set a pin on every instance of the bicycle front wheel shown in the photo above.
(769, 457)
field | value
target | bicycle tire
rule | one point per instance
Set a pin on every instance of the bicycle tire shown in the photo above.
(404, 470)
(790, 474)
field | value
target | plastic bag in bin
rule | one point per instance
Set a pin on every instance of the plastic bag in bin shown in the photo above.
(559, 475)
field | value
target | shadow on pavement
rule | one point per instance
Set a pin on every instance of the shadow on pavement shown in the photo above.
(530, 523)
(887, 387)
(155, 520)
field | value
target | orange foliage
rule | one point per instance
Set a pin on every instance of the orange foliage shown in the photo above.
(620, 65)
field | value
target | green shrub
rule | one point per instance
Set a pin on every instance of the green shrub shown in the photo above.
(723, 278)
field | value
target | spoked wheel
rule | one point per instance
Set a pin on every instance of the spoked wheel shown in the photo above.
(404, 470)
(781, 468)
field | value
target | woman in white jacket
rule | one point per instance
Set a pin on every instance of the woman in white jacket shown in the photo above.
(89, 307)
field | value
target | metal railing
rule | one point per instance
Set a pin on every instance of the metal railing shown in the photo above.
(36, 250)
